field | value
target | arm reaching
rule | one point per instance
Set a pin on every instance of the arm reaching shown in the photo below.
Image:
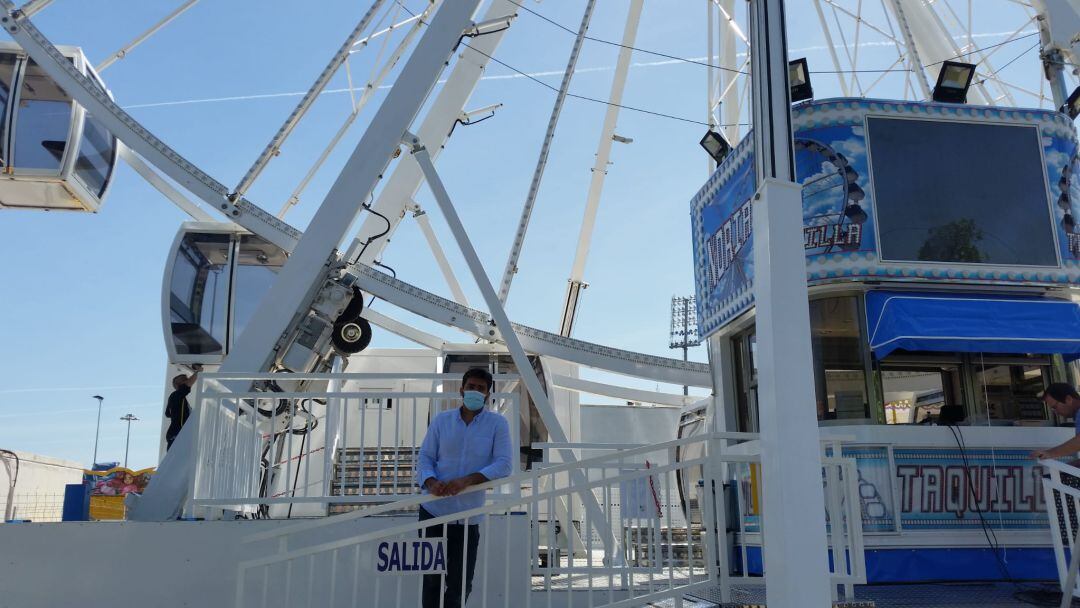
(1068, 448)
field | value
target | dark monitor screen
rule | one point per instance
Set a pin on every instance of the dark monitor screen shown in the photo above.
(960, 192)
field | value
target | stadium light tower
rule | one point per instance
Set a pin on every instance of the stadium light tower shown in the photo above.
(684, 329)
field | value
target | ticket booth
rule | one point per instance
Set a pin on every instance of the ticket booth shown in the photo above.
(942, 261)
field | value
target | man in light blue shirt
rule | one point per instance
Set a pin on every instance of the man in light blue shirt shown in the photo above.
(463, 447)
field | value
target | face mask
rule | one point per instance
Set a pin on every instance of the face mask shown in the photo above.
(474, 400)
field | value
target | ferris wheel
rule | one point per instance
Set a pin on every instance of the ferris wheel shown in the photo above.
(892, 48)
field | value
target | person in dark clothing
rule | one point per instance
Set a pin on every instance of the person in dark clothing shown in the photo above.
(177, 409)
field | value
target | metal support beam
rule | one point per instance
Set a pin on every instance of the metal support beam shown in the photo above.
(143, 37)
(541, 163)
(914, 62)
(599, 170)
(161, 185)
(303, 273)
(400, 189)
(309, 98)
(369, 90)
(795, 547)
(513, 345)
(424, 223)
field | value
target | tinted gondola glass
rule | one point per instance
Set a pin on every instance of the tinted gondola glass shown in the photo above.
(199, 294)
(43, 122)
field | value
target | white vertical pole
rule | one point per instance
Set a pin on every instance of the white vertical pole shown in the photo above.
(795, 551)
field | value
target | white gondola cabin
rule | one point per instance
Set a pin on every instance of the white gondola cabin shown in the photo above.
(54, 155)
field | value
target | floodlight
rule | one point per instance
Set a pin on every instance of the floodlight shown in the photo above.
(799, 80)
(953, 81)
(1072, 105)
(715, 145)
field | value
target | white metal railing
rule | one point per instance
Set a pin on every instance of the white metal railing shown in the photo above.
(1062, 492)
(318, 451)
(661, 552)
(843, 512)
(334, 561)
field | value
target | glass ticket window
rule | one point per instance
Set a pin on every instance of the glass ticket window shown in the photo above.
(839, 358)
(915, 393)
(1008, 389)
(199, 294)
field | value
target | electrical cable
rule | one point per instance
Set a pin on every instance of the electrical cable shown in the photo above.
(626, 46)
(709, 65)
(1025, 593)
(593, 99)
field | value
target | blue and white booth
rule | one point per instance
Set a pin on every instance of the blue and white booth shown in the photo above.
(943, 265)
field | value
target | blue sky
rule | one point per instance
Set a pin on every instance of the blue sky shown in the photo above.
(80, 303)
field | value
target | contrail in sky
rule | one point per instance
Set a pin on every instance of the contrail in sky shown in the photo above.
(644, 64)
(49, 389)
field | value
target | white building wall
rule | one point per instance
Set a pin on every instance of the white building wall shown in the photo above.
(39, 488)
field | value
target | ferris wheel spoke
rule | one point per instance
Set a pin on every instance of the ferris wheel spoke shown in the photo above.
(143, 37)
(34, 6)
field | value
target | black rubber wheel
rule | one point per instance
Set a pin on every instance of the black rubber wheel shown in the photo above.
(351, 336)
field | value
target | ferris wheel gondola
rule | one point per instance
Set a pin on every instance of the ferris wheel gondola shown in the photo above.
(54, 154)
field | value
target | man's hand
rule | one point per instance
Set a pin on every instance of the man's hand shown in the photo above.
(456, 486)
(435, 487)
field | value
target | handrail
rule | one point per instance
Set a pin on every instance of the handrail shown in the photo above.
(526, 476)
(442, 519)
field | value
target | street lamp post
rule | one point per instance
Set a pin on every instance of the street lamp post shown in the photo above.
(97, 433)
(127, 442)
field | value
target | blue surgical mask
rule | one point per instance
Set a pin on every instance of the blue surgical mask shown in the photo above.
(474, 400)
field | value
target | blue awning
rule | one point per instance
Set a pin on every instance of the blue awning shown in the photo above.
(971, 323)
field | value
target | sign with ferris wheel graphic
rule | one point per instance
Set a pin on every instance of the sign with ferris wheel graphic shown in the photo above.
(964, 194)
(831, 165)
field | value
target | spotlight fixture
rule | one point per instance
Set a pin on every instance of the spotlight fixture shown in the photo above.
(799, 80)
(715, 145)
(1072, 105)
(953, 82)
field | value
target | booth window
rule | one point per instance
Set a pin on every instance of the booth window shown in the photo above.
(199, 294)
(915, 390)
(96, 150)
(44, 121)
(839, 358)
(1009, 389)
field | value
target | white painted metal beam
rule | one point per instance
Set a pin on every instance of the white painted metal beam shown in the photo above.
(305, 102)
(620, 392)
(401, 187)
(424, 223)
(513, 345)
(143, 37)
(161, 185)
(304, 271)
(541, 162)
(599, 171)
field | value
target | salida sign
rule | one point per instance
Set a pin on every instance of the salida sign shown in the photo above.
(420, 556)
